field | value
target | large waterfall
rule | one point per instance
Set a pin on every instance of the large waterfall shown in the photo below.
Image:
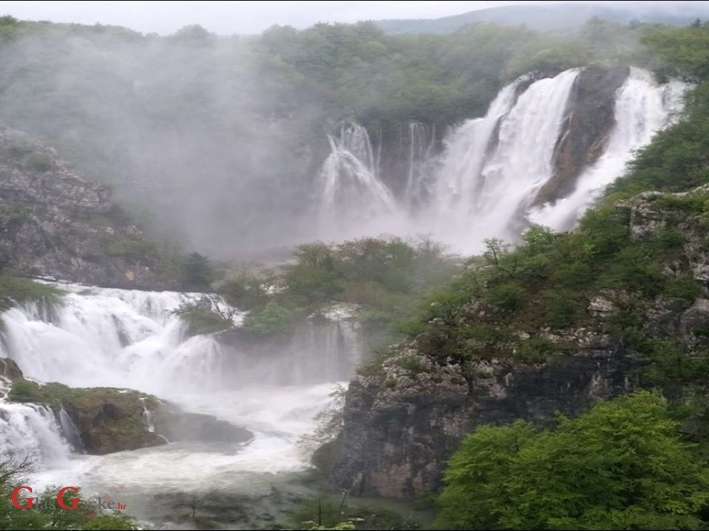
(485, 182)
(132, 339)
(642, 108)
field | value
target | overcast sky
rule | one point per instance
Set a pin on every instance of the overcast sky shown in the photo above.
(227, 18)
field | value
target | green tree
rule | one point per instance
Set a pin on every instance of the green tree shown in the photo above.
(623, 465)
(196, 271)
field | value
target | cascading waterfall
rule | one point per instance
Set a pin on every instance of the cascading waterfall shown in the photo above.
(30, 433)
(484, 183)
(111, 337)
(493, 165)
(351, 192)
(642, 108)
(132, 339)
(421, 149)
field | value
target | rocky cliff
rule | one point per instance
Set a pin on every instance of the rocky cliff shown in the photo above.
(54, 223)
(406, 416)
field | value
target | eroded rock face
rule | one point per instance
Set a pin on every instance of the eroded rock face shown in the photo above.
(54, 223)
(398, 435)
(589, 121)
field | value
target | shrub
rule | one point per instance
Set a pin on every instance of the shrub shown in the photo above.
(17, 290)
(508, 297)
(273, 320)
(202, 320)
(38, 162)
(621, 465)
(535, 350)
(196, 271)
(561, 308)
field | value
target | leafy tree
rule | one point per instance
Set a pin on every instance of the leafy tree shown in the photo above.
(196, 271)
(622, 465)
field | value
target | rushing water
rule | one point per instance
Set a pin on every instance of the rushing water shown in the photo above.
(122, 338)
(484, 183)
(642, 108)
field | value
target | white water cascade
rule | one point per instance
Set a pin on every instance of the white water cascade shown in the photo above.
(642, 108)
(484, 183)
(493, 165)
(421, 149)
(30, 433)
(131, 339)
(352, 195)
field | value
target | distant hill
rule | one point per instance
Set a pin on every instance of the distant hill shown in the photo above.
(556, 17)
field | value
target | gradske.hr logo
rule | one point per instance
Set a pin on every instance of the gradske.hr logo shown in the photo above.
(98, 503)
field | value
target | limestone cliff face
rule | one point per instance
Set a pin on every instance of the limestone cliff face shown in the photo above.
(398, 436)
(54, 223)
(589, 121)
(405, 419)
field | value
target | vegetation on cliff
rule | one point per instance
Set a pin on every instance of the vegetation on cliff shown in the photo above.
(622, 465)
(383, 278)
(16, 290)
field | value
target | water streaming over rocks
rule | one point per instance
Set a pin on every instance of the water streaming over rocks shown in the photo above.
(131, 339)
(485, 181)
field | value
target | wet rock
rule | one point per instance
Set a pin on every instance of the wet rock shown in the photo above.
(10, 370)
(587, 127)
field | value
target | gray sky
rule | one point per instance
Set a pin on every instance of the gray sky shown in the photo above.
(227, 18)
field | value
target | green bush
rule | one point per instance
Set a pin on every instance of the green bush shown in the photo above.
(623, 465)
(562, 308)
(245, 291)
(412, 363)
(17, 290)
(201, 320)
(535, 350)
(196, 272)
(39, 162)
(507, 297)
(273, 320)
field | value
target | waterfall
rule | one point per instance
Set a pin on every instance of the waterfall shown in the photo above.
(69, 431)
(132, 339)
(30, 432)
(493, 165)
(492, 168)
(421, 149)
(147, 417)
(642, 108)
(352, 195)
(112, 337)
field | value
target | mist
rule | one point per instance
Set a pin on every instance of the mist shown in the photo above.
(221, 144)
(189, 131)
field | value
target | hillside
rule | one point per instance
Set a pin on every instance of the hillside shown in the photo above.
(553, 17)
